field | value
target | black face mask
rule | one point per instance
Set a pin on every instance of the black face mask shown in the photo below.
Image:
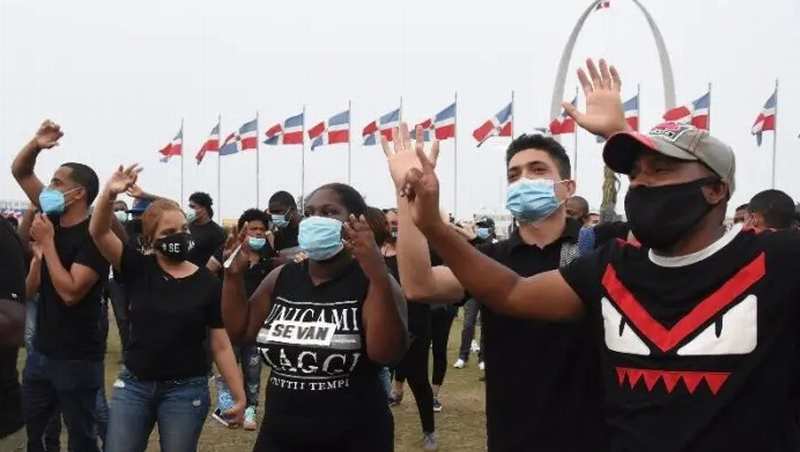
(175, 247)
(660, 216)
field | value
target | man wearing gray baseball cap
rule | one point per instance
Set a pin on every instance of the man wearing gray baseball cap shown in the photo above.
(698, 324)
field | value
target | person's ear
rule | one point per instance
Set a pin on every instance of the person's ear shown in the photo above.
(715, 193)
(569, 189)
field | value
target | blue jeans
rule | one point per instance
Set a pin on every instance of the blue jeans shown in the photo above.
(179, 407)
(250, 361)
(72, 386)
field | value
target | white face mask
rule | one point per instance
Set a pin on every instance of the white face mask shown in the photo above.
(121, 215)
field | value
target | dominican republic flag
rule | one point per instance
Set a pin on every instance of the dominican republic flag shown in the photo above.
(290, 132)
(231, 144)
(334, 130)
(244, 139)
(175, 147)
(211, 144)
(766, 119)
(563, 124)
(631, 109)
(695, 113)
(442, 126)
(385, 125)
(498, 125)
(603, 5)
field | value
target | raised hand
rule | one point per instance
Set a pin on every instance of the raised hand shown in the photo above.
(604, 115)
(135, 191)
(421, 188)
(48, 135)
(360, 241)
(237, 240)
(401, 156)
(123, 179)
(42, 230)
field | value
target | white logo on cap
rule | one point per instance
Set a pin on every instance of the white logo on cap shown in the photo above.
(669, 131)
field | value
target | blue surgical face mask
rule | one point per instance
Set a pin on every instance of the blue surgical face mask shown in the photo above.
(256, 243)
(190, 215)
(483, 233)
(52, 201)
(279, 221)
(121, 215)
(531, 200)
(320, 237)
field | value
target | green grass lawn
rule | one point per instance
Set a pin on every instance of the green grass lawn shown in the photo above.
(461, 426)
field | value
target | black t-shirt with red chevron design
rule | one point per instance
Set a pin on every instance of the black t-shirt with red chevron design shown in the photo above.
(700, 352)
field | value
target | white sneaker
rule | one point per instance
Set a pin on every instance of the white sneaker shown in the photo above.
(481, 366)
(250, 418)
(459, 364)
(474, 347)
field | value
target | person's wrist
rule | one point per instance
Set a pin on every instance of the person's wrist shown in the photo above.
(436, 227)
(34, 145)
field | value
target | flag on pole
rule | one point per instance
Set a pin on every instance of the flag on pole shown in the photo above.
(498, 125)
(231, 144)
(442, 126)
(385, 125)
(248, 135)
(290, 132)
(564, 123)
(334, 130)
(766, 119)
(695, 112)
(211, 144)
(174, 147)
(603, 5)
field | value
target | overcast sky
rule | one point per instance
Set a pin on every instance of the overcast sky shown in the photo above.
(120, 76)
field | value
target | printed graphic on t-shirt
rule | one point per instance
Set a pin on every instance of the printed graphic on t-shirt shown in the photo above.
(311, 346)
(630, 329)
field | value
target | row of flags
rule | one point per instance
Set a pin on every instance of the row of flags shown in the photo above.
(441, 126)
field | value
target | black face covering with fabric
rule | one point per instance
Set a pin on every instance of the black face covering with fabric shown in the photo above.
(175, 247)
(660, 216)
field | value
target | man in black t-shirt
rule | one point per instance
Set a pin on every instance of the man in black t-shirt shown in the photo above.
(68, 318)
(12, 326)
(285, 220)
(542, 378)
(698, 324)
(770, 209)
(208, 236)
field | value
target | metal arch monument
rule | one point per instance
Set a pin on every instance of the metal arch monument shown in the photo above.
(610, 182)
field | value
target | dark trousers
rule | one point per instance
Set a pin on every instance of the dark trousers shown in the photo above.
(414, 368)
(471, 311)
(70, 385)
(441, 320)
(120, 305)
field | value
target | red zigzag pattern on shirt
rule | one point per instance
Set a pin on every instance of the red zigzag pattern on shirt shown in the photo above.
(690, 378)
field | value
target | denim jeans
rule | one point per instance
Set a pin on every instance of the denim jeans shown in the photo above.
(69, 385)
(179, 407)
(250, 361)
(38, 438)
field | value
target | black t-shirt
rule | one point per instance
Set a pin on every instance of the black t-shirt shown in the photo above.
(322, 381)
(287, 237)
(258, 271)
(543, 380)
(207, 239)
(169, 318)
(700, 352)
(72, 332)
(12, 287)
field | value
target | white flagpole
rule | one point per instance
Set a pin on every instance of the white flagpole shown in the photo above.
(181, 203)
(219, 168)
(455, 156)
(349, 140)
(576, 142)
(303, 161)
(258, 166)
(775, 135)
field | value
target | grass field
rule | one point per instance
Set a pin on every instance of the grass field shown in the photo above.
(461, 425)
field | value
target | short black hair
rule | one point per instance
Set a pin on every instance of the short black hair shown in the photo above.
(204, 200)
(86, 178)
(253, 215)
(584, 204)
(284, 198)
(743, 207)
(545, 144)
(349, 196)
(775, 206)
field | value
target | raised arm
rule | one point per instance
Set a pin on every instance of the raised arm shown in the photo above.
(107, 241)
(544, 296)
(385, 315)
(419, 280)
(22, 168)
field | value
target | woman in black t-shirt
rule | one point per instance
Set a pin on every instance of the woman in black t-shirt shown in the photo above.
(325, 326)
(173, 307)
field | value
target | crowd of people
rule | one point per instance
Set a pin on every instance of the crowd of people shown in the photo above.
(670, 331)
